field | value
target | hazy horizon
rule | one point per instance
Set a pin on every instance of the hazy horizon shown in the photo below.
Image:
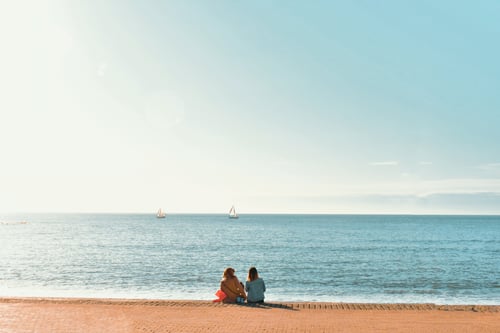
(153, 214)
(279, 107)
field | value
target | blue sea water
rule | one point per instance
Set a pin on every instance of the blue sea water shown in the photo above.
(335, 258)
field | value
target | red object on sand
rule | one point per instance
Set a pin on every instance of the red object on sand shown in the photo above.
(220, 296)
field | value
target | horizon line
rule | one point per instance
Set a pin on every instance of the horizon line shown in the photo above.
(256, 213)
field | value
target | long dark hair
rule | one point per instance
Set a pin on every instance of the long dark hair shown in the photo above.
(252, 274)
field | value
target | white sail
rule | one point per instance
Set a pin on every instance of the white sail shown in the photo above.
(232, 213)
(160, 213)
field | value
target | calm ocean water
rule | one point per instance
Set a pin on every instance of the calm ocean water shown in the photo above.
(338, 258)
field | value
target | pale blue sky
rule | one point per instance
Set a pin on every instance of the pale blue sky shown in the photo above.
(274, 106)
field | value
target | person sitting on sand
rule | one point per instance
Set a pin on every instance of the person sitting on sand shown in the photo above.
(255, 286)
(232, 287)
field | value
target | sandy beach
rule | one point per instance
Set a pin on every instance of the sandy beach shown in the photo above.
(112, 315)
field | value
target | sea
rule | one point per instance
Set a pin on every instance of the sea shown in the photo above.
(323, 258)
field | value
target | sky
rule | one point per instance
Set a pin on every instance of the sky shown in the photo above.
(387, 107)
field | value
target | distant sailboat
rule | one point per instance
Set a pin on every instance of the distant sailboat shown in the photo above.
(232, 213)
(161, 214)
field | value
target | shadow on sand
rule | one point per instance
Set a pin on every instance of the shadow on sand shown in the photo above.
(269, 306)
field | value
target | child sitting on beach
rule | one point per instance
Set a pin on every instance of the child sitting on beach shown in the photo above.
(232, 287)
(255, 286)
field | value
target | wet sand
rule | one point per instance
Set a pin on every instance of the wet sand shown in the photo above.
(112, 315)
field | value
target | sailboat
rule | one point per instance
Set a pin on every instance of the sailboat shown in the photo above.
(161, 214)
(232, 213)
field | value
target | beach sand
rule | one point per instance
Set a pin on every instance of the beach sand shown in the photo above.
(56, 315)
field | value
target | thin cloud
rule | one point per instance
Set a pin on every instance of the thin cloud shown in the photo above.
(437, 203)
(384, 163)
(410, 186)
(425, 163)
(490, 166)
